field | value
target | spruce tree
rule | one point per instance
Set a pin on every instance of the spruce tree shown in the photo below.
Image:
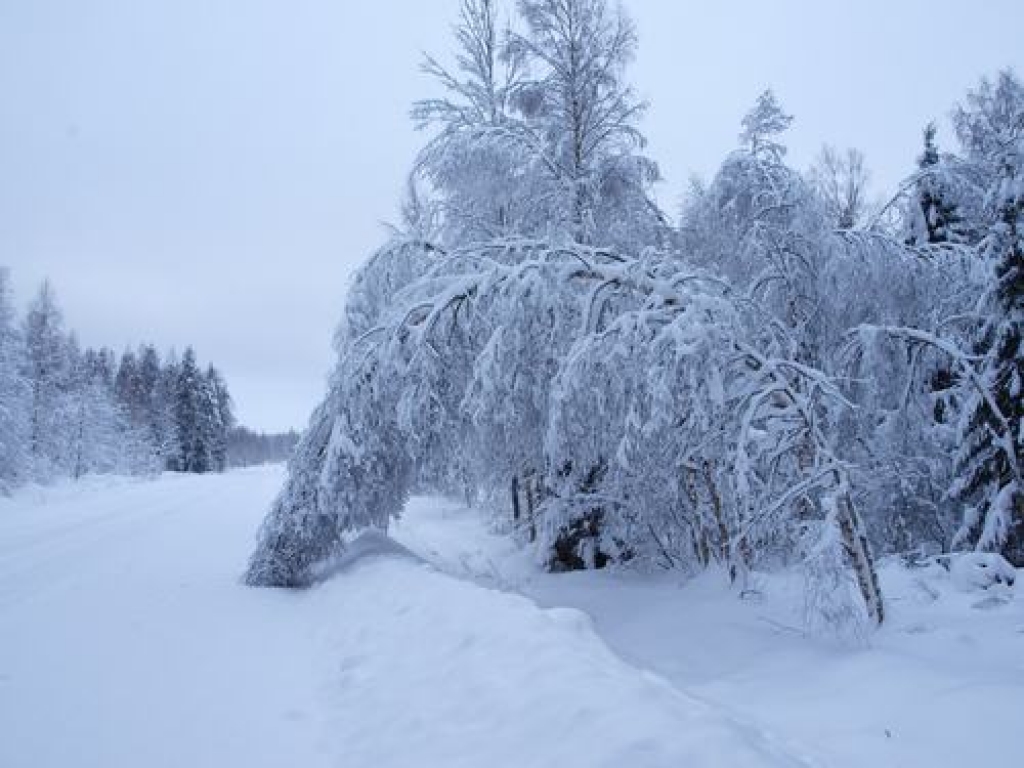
(992, 426)
(48, 372)
(167, 402)
(14, 393)
(99, 435)
(190, 413)
(219, 418)
(126, 386)
(934, 219)
(155, 421)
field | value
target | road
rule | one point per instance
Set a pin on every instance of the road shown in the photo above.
(126, 639)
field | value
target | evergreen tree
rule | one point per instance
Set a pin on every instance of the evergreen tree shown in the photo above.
(14, 393)
(992, 426)
(192, 416)
(762, 124)
(106, 365)
(67, 411)
(247, 448)
(167, 399)
(48, 372)
(100, 365)
(218, 418)
(157, 421)
(934, 217)
(127, 387)
(100, 438)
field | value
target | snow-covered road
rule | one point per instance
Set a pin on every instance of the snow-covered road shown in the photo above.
(127, 640)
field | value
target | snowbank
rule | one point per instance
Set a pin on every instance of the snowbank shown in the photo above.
(126, 639)
(941, 684)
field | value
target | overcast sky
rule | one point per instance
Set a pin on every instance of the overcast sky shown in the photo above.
(210, 171)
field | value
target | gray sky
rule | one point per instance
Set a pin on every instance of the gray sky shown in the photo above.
(210, 171)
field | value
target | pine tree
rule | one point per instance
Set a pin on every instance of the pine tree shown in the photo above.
(105, 365)
(191, 413)
(100, 365)
(934, 217)
(166, 401)
(14, 393)
(992, 426)
(218, 419)
(156, 419)
(762, 124)
(127, 387)
(48, 372)
(100, 438)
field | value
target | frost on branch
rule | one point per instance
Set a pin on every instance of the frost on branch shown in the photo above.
(779, 381)
(581, 373)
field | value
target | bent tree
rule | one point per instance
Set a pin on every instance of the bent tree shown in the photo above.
(779, 380)
(591, 371)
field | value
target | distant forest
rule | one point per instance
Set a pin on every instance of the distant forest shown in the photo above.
(247, 448)
(68, 411)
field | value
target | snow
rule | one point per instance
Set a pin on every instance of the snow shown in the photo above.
(126, 639)
(941, 684)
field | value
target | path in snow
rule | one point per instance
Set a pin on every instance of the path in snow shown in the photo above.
(127, 640)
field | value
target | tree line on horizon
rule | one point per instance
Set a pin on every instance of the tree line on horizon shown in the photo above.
(68, 411)
(251, 448)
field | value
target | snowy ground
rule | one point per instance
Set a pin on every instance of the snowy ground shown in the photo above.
(127, 640)
(942, 684)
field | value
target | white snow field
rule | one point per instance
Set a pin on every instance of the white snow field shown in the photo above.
(126, 639)
(941, 684)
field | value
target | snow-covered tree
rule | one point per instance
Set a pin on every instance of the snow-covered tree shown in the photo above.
(763, 124)
(562, 360)
(987, 124)
(968, 337)
(127, 387)
(475, 162)
(220, 417)
(579, 118)
(201, 411)
(841, 181)
(536, 129)
(192, 416)
(14, 393)
(165, 403)
(100, 436)
(66, 411)
(933, 216)
(992, 424)
(157, 422)
(781, 382)
(247, 448)
(760, 225)
(48, 371)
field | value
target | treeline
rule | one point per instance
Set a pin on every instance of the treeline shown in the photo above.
(786, 375)
(247, 448)
(66, 411)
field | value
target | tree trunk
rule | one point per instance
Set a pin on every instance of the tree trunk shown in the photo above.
(856, 543)
(515, 501)
(530, 506)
